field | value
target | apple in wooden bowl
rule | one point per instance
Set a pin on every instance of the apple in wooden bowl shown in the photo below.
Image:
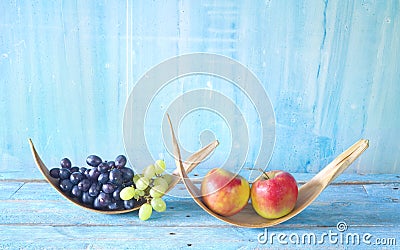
(274, 194)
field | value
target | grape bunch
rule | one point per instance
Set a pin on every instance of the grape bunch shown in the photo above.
(97, 185)
(111, 185)
(150, 185)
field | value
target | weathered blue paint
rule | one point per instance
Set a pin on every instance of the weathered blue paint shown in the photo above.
(330, 68)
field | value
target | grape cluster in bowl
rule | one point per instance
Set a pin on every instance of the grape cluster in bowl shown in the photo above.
(111, 185)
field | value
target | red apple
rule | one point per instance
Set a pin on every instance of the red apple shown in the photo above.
(274, 194)
(224, 192)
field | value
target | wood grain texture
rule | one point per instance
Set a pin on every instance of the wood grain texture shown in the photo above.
(172, 238)
(54, 223)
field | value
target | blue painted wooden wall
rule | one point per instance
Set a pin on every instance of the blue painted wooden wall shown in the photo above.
(330, 68)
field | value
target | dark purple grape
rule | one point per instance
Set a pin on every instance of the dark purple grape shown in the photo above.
(116, 177)
(93, 160)
(87, 173)
(104, 199)
(93, 191)
(120, 161)
(87, 199)
(65, 163)
(129, 204)
(55, 172)
(103, 167)
(76, 191)
(111, 164)
(116, 205)
(112, 206)
(66, 185)
(76, 177)
(82, 170)
(116, 193)
(127, 174)
(84, 185)
(64, 173)
(74, 169)
(98, 186)
(108, 188)
(96, 204)
(103, 178)
(94, 174)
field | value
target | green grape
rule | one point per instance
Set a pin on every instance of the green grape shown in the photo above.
(142, 183)
(149, 172)
(127, 193)
(157, 191)
(145, 211)
(139, 192)
(155, 194)
(168, 178)
(136, 177)
(161, 182)
(158, 204)
(160, 167)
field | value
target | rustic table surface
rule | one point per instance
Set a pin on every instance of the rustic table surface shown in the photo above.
(356, 211)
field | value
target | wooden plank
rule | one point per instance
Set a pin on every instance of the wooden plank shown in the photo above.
(35, 209)
(367, 179)
(168, 237)
(8, 189)
(390, 192)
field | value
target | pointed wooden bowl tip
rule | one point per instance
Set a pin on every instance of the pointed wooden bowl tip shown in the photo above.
(307, 193)
(196, 157)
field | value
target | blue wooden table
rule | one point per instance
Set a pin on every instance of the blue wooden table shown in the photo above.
(356, 211)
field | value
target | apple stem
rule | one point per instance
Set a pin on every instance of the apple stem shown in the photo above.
(265, 173)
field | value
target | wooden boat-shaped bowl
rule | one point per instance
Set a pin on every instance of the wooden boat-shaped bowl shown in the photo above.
(190, 164)
(307, 192)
